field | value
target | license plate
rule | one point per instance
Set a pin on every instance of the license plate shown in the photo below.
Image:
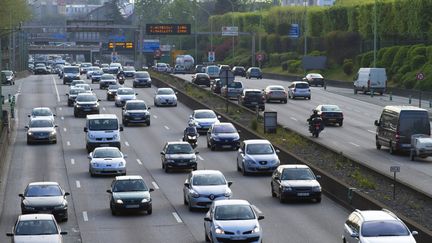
(226, 146)
(181, 163)
(238, 238)
(264, 167)
(254, 103)
(87, 109)
(137, 118)
(132, 206)
(303, 194)
(104, 145)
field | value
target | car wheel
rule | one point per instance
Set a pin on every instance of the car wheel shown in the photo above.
(243, 170)
(28, 142)
(238, 166)
(377, 144)
(273, 193)
(148, 123)
(391, 150)
(184, 199)
(125, 123)
(75, 114)
(412, 155)
(133, 85)
(195, 167)
(213, 148)
(65, 219)
(113, 212)
(318, 199)
(150, 211)
(340, 123)
(190, 207)
(281, 199)
(207, 239)
(166, 169)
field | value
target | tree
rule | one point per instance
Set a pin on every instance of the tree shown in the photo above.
(225, 6)
(13, 12)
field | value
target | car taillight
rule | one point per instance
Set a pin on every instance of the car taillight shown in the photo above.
(397, 136)
(368, 83)
(294, 90)
(270, 93)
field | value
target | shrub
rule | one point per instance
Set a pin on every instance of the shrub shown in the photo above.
(274, 59)
(416, 50)
(293, 65)
(284, 66)
(417, 62)
(399, 58)
(367, 59)
(348, 66)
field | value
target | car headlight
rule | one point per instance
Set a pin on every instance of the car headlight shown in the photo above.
(28, 207)
(119, 201)
(95, 164)
(145, 200)
(276, 161)
(61, 206)
(316, 188)
(115, 136)
(126, 113)
(286, 188)
(249, 162)
(29, 133)
(228, 193)
(77, 105)
(53, 133)
(121, 164)
(216, 138)
(91, 136)
(194, 194)
(256, 229)
(219, 230)
(170, 161)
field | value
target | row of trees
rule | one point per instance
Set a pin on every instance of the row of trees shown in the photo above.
(12, 13)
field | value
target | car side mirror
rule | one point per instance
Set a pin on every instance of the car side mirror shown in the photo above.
(261, 217)
(151, 190)
(377, 123)
(190, 116)
(230, 183)
(99, 100)
(67, 194)
(219, 117)
(109, 191)
(240, 150)
(318, 177)
(148, 108)
(197, 152)
(162, 153)
(85, 129)
(55, 125)
(207, 219)
(187, 184)
(276, 178)
(90, 155)
(277, 151)
(9, 234)
(28, 115)
(354, 235)
(27, 127)
(54, 115)
(63, 233)
(123, 108)
(21, 195)
(121, 128)
(414, 233)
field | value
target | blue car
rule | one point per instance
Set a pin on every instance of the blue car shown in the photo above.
(223, 135)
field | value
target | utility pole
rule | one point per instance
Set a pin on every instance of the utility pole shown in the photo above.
(305, 30)
(375, 34)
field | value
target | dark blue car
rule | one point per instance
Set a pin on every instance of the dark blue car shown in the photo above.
(223, 135)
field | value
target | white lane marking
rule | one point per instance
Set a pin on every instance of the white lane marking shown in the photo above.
(85, 216)
(127, 144)
(60, 108)
(293, 118)
(103, 108)
(139, 161)
(62, 117)
(354, 144)
(199, 157)
(371, 131)
(177, 217)
(64, 129)
(156, 187)
(68, 143)
(75, 230)
(78, 184)
(256, 209)
(166, 127)
(272, 109)
(72, 161)
(57, 92)
(154, 116)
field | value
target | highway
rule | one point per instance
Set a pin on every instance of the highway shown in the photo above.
(90, 220)
(357, 136)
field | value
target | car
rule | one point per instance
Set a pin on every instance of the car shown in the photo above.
(107, 161)
(179, 69)
(86, 103)
(383, 226)
(102, 130)
(199, 68)
(314, 79)
(112, 91)
(41, 129)
(252, 99)
(91, 70)
(202, 187)
(142, 79)
(212, 71)
(233, 90)
(216, 86)
(130, 193)
(223, 135)
(40, 68)
(45, 197)
(73, 93)
(231, 221)
(42, 112)
(257, 156)
(161, 67)
(370, 80)
(135, 111)
(201, 79)
(165, 97)
(76, 82)
(203, 119)
(114, 68)
(224, 68)
(70, 73)
(129, 71)
(295, 181)
(299, 89)
(178, 155)
(34, 228)
(105, 67)
(124, 94)
(275, 92)
(254, 72)
(7, 77)
(96, 75)
(239, 71)
(330, 114)
(84, 67)
(85, 86)
(107, 80)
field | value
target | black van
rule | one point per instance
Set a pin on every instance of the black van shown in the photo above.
(397, 124)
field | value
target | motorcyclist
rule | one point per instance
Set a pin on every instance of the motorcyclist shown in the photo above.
(120, 74)
(312, 117)
(190, 130)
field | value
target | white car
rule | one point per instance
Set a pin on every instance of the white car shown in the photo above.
(124, 94)
(42, 112)
(90, 71)
(203, 119)
(165, 97)
(107, 161)
(232, 220)
(86, 87)
(257, 156)
(36, 228)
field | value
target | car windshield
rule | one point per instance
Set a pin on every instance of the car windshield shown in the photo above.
(136, 106)
(165, 91)
(76, 91)
(161, 65)
(125, 92)
(43, 191)
(83, 86)
(41, 123)
(255, 70)
(179, 149)
(262, 148)
(276, 88)
(142, 75)
(129, 185)
(41, 112)
(7, 73)
(75, 82)
(107, 153)
(128, 69)
(40, 65)
(213, 69)
(86, 98)
(107, 77)
(234, 212)
(383, 228)
(36, 227)
(225, 128)
(103, 124)
(330, 108)
(71, 70)
(297, 174)
(208, 180)
(205, 115)
(114, 86)
(302, 85)
(235, 85)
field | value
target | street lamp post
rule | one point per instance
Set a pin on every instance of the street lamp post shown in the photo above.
(375, 34)
(211, 25)
(305, 31)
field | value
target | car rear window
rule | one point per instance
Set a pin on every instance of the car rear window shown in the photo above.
(383, 228)
(235, 85)
(253, 93)
(208, 180)
(302, 86)
(414, 122)
(71, 70)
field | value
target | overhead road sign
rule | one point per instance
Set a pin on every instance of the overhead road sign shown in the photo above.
(121, 45)
(117, 38)
(168, 29)
(151, 45)
(229, 31)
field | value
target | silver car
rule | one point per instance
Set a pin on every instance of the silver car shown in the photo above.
(233, 90)
(275, 92)
(257, 156)
(231, 221)
(42, 112)
(299, 89)
(36, 228)
(203, 119)
(124, 94)
(202, 187)
(107, 161)
(165, 97)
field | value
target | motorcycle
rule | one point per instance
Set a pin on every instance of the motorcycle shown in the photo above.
(316, 126)
(121, 80)
(192, 139)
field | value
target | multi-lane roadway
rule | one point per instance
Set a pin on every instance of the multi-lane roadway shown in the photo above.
(90, 219)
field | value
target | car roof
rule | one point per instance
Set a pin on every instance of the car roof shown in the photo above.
(275, 86)
(203, 110)
(176, 142)
(128, 177)
(206, 172)
(373, 215)
(256, 141)
(141, 72)
(135, 101)
(126, 88)
(299, 82)
(223, 124)
(164, 89)
(43, 183)
(86, 93)
(35, 216)
(42, 118)
(106, 148)
(99, 116)
(294, 166)
(315, 74)
(246, 90)
(41, 108)
(231, 202)
(399, 108)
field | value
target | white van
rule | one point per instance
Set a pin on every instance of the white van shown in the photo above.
(102, 130)
(370, 80)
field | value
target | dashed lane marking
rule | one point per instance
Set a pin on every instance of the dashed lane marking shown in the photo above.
(68, 143)
(177, 217)
(78, 184)
(126, 143)
(155, 185)
(256, 209)
(72, 161)
(354, 144)
(293, 118)
(64, 129)
(62, 117)
(371, 131)
(139, 162)
(85, 216)
(154, 116)
(57, 92)
(166, 127)
(199, 157)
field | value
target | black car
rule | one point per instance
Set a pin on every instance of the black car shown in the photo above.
(86, 103)
(251, 98)
(142, 79)
(112, 91)
(130, 193)
(201, 79)
(45, 197)
(330, 114)
(223, 135)
(107, 80)
(254, 72)
(199, 69)
(70, 73)
(135, 111)
(178, 155)
(73, 93)
(216, 86)
(239, 71)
